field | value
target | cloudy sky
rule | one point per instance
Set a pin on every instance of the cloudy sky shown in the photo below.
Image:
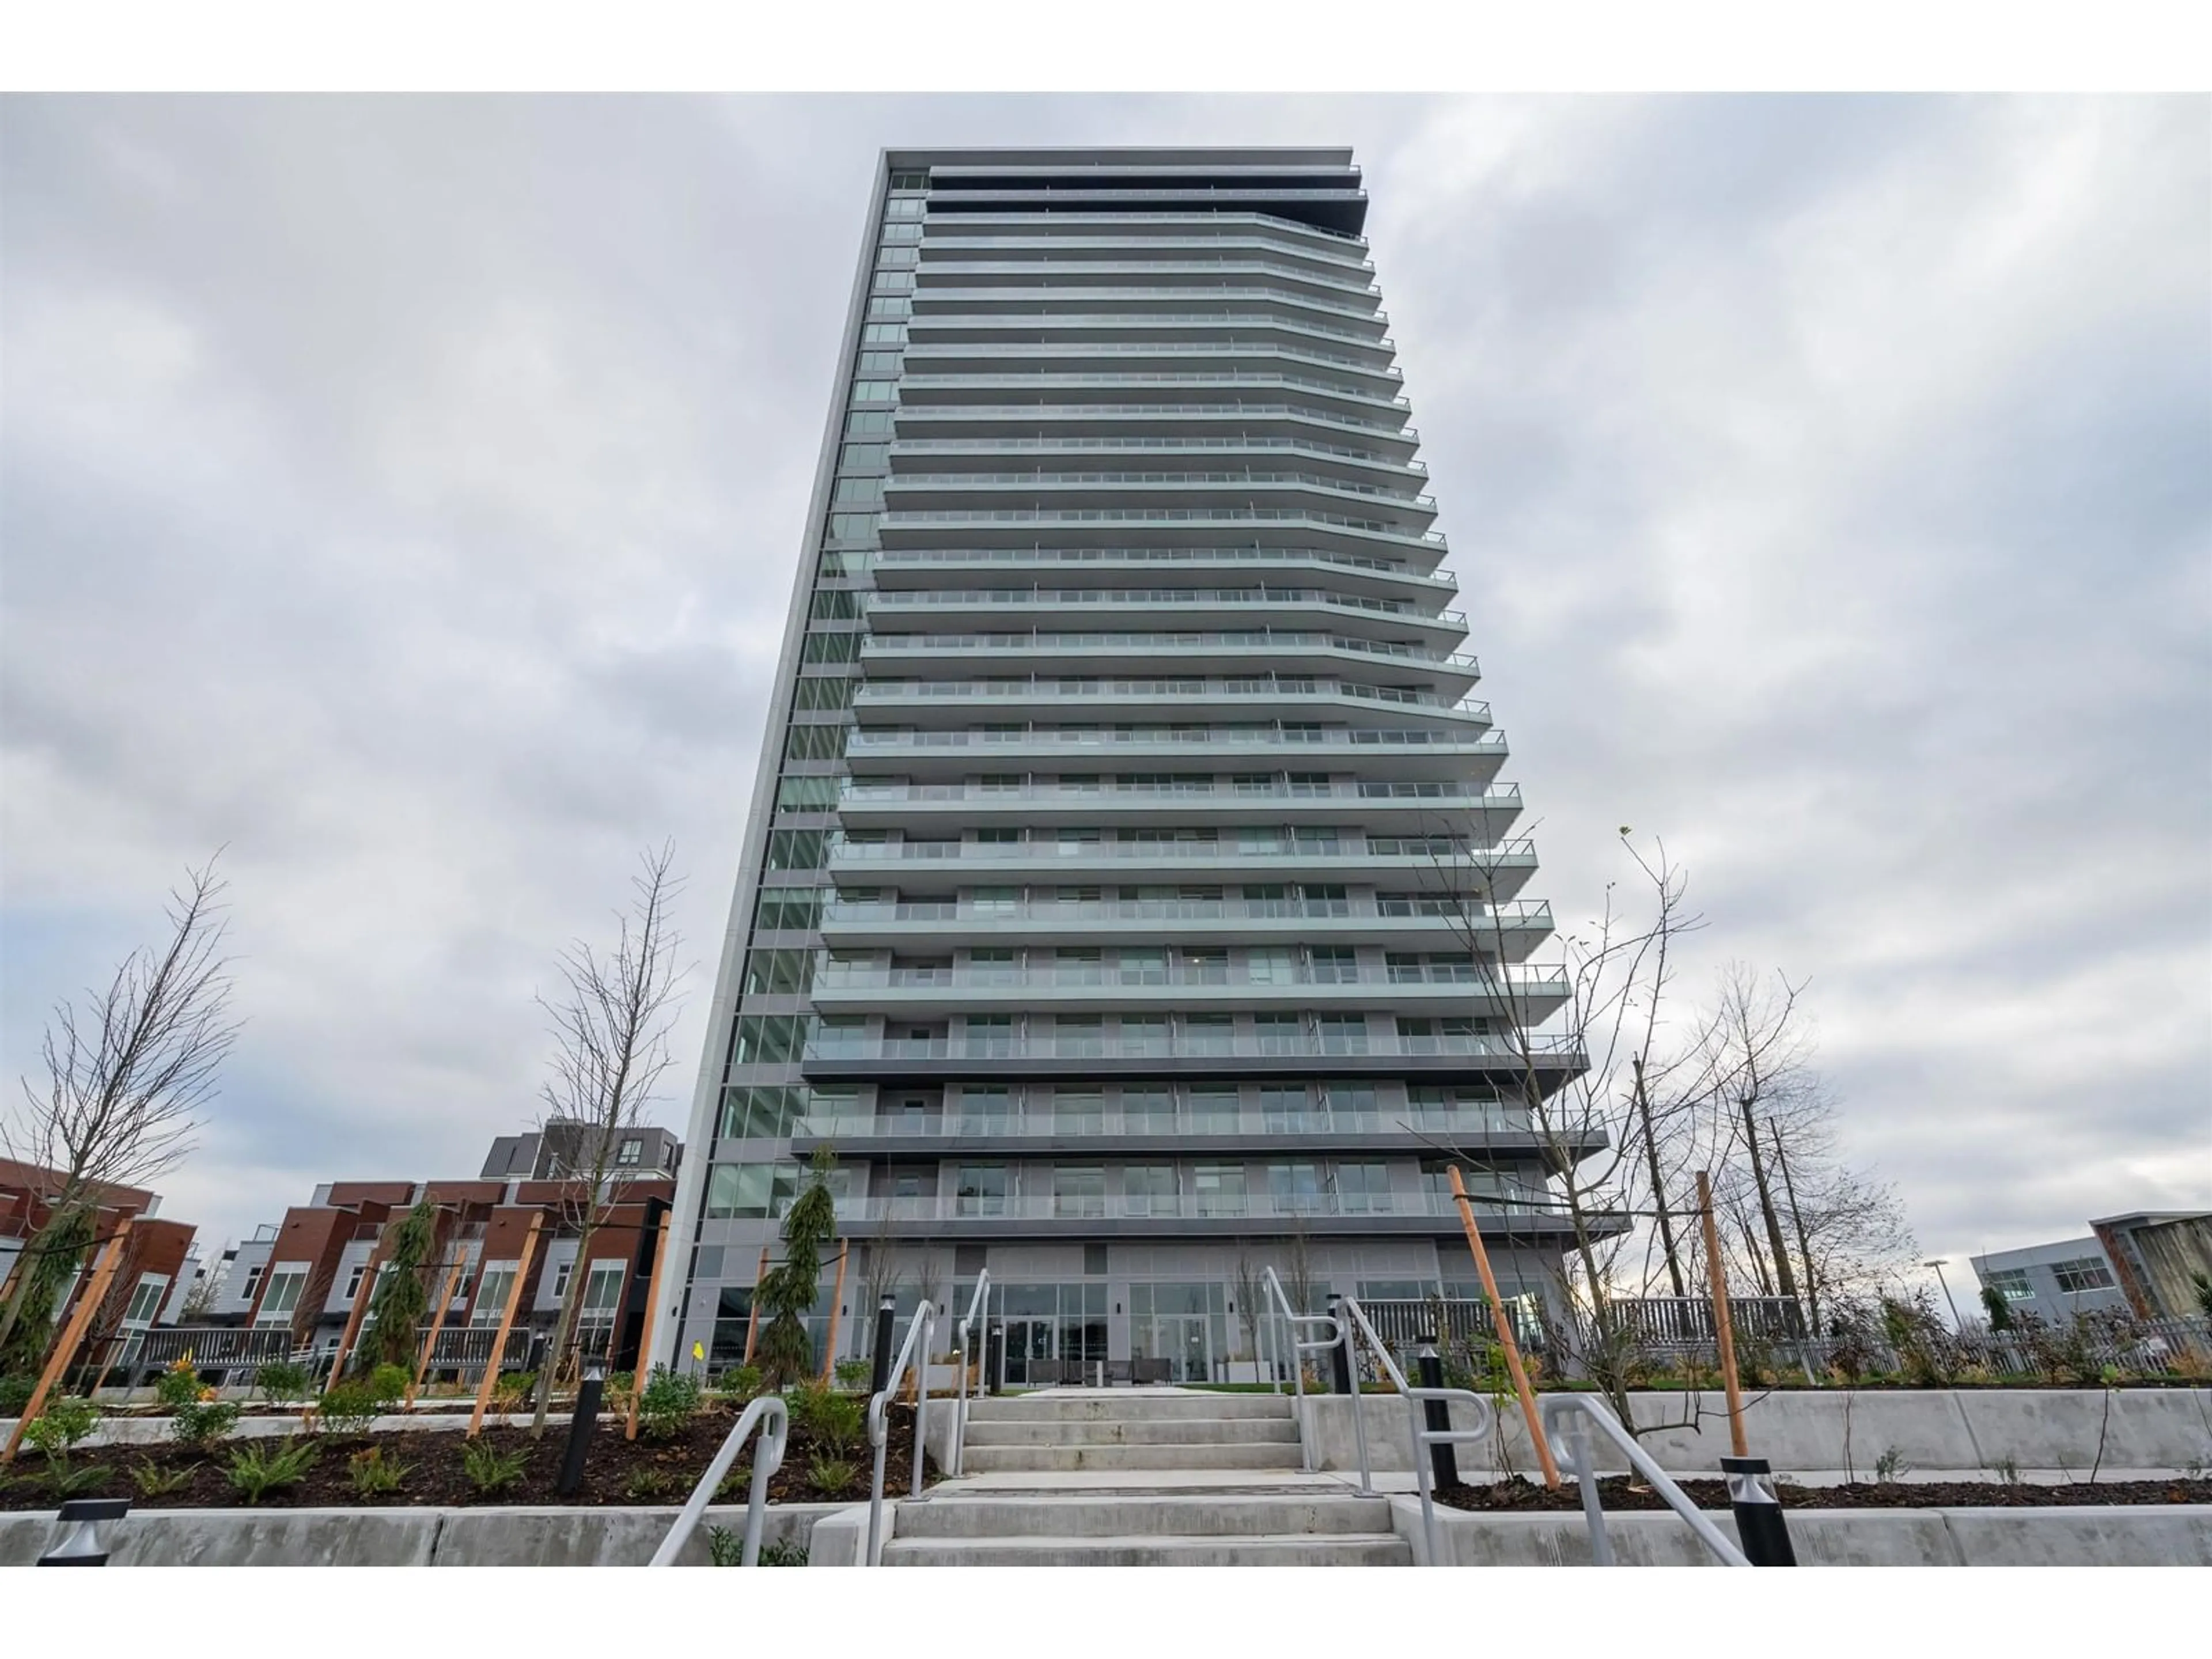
(405, 493)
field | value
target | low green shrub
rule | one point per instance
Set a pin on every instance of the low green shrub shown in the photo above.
(152, 1479)
(59, 1426)
(670, 1401)
(648, 1484)
(347, 1411)
(824, 1418)
(853, 1374)
(740, 1383)
(179, 1386)
(65, 1483)
(833, 1477)
(725, 1546)
(490, 1469)
(204, 1423)
(513, 1388)
(16, 1391)
(270, 1466)
(782, 1553)
(372, 1474)
(387, 1386)
(280, 1380)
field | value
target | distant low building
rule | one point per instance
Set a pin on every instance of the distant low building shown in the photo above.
(2160, 1258)
(147, 1288)
(2052, 1282)
(304, 1274)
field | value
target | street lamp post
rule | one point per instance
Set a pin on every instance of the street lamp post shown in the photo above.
(1957, 1323)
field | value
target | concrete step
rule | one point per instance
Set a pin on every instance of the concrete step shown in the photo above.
(1136, 1431)
(1124, 1403)
(1192, 1514)
(989, 1460)
(1342, 1550)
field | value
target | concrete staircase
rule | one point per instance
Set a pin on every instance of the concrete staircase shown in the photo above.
(1139, 1478)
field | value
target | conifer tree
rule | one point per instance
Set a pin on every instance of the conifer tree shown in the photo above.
(401, 1298)
(786, 1292)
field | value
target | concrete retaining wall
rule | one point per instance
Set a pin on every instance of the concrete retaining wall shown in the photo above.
(156, 1432)
(551, 1537)
(1968, 1430)
(2111, 1536)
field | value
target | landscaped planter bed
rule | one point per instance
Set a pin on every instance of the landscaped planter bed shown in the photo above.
(617, 1472)
(1519, 1495)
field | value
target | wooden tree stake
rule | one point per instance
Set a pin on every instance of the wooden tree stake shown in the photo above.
(359, 1310)
(638, 1372)
(438, 1320)
(95, 1292)
(836, 1307)
(752, 1316)
(491, 1377)
(1723, 1330)
(1504, 1327)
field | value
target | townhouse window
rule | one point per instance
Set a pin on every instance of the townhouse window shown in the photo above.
(493, 1291)
(631, 1153)
(282, 1297)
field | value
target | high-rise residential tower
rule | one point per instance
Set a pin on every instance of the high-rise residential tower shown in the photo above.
(1128, 894)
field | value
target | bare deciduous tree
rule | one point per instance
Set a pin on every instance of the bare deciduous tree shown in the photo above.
(611, 1026)
(125, 1076)
(1590, 1085)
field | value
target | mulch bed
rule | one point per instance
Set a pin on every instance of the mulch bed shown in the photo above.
(643, 1471)
(1517, 1494)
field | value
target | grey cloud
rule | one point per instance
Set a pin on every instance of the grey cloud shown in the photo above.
(406, 491)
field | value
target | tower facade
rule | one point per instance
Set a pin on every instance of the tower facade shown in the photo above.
(1130, 900)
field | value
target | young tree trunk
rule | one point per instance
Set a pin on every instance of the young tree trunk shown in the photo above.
(1782, 1275)
(1658, 1181)
(563, 1327)
(1797, 1221)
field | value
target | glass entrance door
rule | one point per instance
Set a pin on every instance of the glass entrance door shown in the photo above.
(1028, 1339)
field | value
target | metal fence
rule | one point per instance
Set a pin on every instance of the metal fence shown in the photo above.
(1773, 1334)
(217, 1348)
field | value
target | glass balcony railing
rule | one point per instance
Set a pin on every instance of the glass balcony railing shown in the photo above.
(1051, 321)
(923, 352)
(1485, 742)
(913, 382)
(1243, 640)
(1116, 221)
(865, 793)
(1103, 446)
(1463, 975)
(1184, 1207)
(1519, 915)
(953, 1123)
(828, 1045)
(906, 520)
(1396, 569)
(923, 598)
(901, 691)
(1039, 303)
(1162, 480)
(1231, 409)
(942, 251)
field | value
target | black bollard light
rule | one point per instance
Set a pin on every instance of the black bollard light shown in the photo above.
(1758, 1505)
(83, 1547)
(1443, 1459)
(581, 1423)
(994, 1342)
(879, 1378)
(1339, 1355)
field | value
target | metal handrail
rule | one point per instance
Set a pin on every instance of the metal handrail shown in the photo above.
(1291, 1320)
(1424, 1437)
(769, 1409)
(923, 1328)
(1577, 1438)
(978, 1303)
